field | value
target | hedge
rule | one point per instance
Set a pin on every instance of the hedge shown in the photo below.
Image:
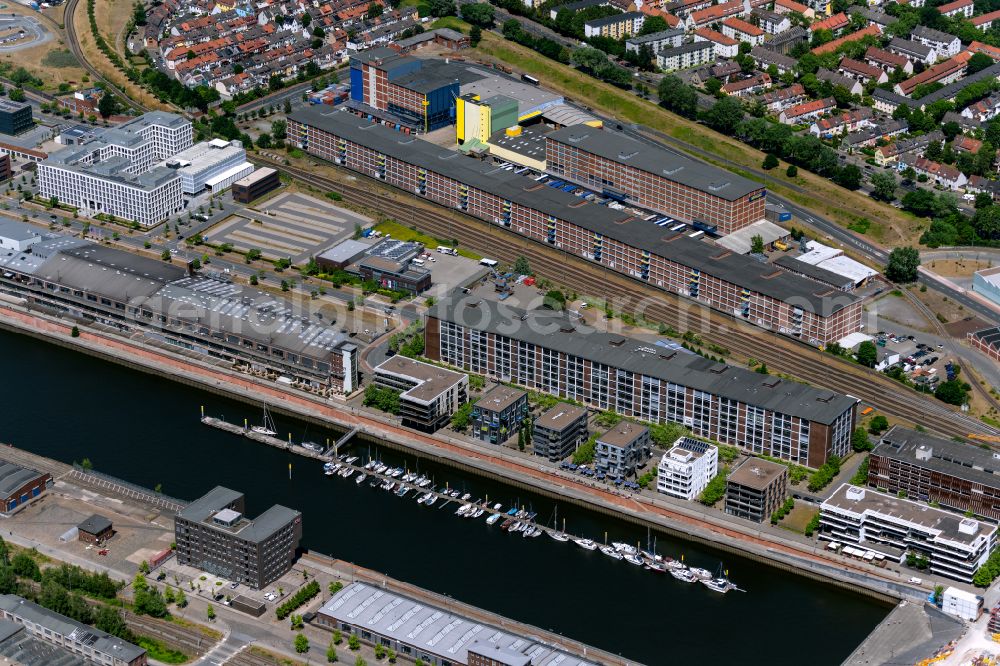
(304, 594)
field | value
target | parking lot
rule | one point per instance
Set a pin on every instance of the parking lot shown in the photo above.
(923, 363)
(291, 225)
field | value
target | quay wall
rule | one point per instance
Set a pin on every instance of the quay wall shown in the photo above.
(742, 539)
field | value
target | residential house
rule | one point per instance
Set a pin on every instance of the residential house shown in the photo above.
(615, 27)
(958, 9)
(888, 101)
(835, 24)
(945, 72)
(770, 22)
(913, 50)
(831, 47)
(748, 86)
(842, 123)
(671, 20)
(833, 78)
(783, 43)
(985, 21)
(966, 144)
(980, 185)
(806, 111)
(792, 7)
(765, 58)
(887, 61)
(984, 109)
(979, 47)
(946, 45)
(657, 41)
(724, 47)
(683, 8)
(862, 71)
(967, 124)
(574, 7)
(742, 31)
(873, 16)
(716, 13)
(725, 71)
(891, 153)
(687, 55)
(777, 101)
(945, 175)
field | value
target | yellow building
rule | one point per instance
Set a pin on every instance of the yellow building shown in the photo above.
(477, 119)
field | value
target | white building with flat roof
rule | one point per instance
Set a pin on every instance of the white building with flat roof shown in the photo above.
(686, 468)
(216, 164)
(954, 546)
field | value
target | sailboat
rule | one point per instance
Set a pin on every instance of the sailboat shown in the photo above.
(554, 533)
(267, 428)
(719, 583)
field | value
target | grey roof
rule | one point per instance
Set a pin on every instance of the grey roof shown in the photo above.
(345, 251)
(429, 381)
(908, 634)
(17, 231)
(94, 524)
(259, 174)
(910, 46)
(873, 15)
(205, 506)
(814, 272)
(255, 531)
(951, 90)
(73, 632)
(613, 19)
(155, 118)
(617, 225)
(965, 461)
(932, 35)
(13, 477)
(655, 36)
(892, 97)
(561, 416)
(690, 47)
(756, 473)
(432, 629)
(558, 332)
(623, 435)
(19, 648)
(529, 143)
(10, 106)
(500, 398)
(796, 32)
(656, 160)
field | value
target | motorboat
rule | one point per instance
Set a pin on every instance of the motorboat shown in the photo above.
(380, 467)
(402, 492)
(516, 527)
(537, 532)
(375, 482)
(720, 584)
(351, 460)
(701, 574)
(479, 512)
(462, 509)
(683, 575)
(558, 536)
(361, 478)
(676, 565)
(424, 482)
(430, 502)
(586, 544)
(657, 567)
(313, 446)
(492, 520)
(633, 559)
(624, 548)
(611, 552)
(497, 506)
(348, 472)
(454, 494)
(466, 497)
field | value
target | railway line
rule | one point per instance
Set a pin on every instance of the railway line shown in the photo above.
(632, 296)
(188, 640)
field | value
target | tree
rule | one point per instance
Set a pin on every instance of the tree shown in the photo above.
(478, 13)
(210, 612)
(725, 115)
(462, 417)
(108, 105)
(475, 35)
(953, 392)
(883, 186)
(770, 162)
(521, 266)
(677, 96)
(331, 653)
(848, 177)
(180, 599)
(977, 62)
(554, 300)
(878, 424)
(756, 244)
(17, 94)
(165, 255)
(442, 7)
(653, 24)
(903, 264)
(792, 171)
(279, 130)
(353, 642)
(374, 11)
(868, 354)
(25, 567)
(74, 332)
(264, 140)
(301, 643)
(860, 441)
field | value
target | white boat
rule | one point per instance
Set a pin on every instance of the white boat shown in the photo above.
(313, 446)
(379, 468)
(454, 493)
(558, 536)
(676, 565)
(396, 473)
(327, 465)
(403, 491)
(423, 498)
(430, 502)
(718, 584)
(407, 478)
(633, 559)
(463, 509)
(266, 428)
(479, 512)
(624, 548)
(611, 552)
(370, 465)
(466, 496)
(424, 482)
(516, 527)
(683, 574)
(329, 472)
(361, 477)
(351, 460)
(497, 506)
(492, 520)
(658, 567)
(348, 472)
(701, 574)
(585, 543)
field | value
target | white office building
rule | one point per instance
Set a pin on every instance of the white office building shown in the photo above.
(686, 468)
(216, 164)
(890, 528)
(117, 174)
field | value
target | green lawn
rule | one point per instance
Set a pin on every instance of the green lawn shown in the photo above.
(160, 652)
(452, 22)
(399, 232)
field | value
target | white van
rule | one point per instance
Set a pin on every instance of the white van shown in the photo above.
(418, 262)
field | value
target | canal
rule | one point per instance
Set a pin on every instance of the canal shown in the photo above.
(69, 406)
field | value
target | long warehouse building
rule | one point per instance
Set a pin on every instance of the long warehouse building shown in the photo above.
(550, 352)
(760, 294)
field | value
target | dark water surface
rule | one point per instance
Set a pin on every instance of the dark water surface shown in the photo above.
(68, 406)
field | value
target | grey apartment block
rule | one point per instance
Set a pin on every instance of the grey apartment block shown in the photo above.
(498, 414)
(212, 534)
(756, 489)
(623, 449)
(559, 431)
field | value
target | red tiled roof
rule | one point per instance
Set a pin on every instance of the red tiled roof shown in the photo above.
(717, 12)
(834, 23)
(869, 31)
(810, 107)
(984, 18)
(742, 26)
(952, 6)
(717, 37)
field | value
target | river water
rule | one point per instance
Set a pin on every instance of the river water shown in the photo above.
(69, 406)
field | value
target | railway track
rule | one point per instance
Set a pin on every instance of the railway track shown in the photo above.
(188, 640)
(796, 359)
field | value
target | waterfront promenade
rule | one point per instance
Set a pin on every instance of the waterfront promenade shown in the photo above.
(788, 551)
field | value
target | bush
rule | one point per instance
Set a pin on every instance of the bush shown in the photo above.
(824, 475)
(716, 488)
(304, 594)
(782, 511)
(585, 452)
(813, 524)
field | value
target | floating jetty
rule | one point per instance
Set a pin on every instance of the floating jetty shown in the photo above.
(245, 431)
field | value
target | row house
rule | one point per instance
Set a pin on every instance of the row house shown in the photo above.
(806, 111)
(867, 137)
(770, 22)
(984, 109)
(873, 16)
(792, 7)
(979, 47)
(618, 26)
(946, 45)
(777, 101)
(862, 71)
(913, 50)
(831, 47)
(724, 47)
(656, 42)
(985, 21)
(852, 86)
(748, 86)
(891, 153)
(966, 144)
(671, 20)
(684, 8)
(742, 31)
(835, 24)
(944, 175)
(765, 58)
(887, 61)
(957, 9)
(786, 41)
(967, 124)
(980, 185)
(946, 72)
(716, 13)
(887, 101)
(842, 123)
(725, 71)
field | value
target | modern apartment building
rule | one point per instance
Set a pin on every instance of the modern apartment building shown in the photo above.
(429, 395)
(667, 259)
(960, 477)
(622, 450)
(148, 299)
(684, 56)
(15, 117)
(499, 414)
(547, 351)
(92, 645)
(617, 26)
(954, 546)
(213, 534)
(756, 489)
(657, 41)
(559, 431)
(256, 185)
(214, 164)
(654, 177)
(686, 468)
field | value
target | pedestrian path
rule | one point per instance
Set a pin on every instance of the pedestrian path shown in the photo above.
(230, 646)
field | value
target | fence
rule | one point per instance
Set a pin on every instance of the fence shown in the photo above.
(126, 489)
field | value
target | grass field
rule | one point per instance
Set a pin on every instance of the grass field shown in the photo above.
(886, 224)
(399, 232)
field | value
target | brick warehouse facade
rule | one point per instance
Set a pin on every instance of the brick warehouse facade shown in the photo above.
(654, 178)
(763, 295)
(547, 352)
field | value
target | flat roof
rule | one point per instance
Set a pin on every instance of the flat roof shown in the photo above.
(529, 143)
(814, 272)
(10, 106)
(205, 154)
(847, 267)
(561, 416)
(530, 99)
(619, 225)
(965, 461)
(559, 332)
(741, 240)
(818, 252)
(433, 629)
(623, 434)
(345, 251)
(756, 473)
(19, 648)
(689, 446)
(431, 380)
(260, 174)
(500, 398)
(17, 231)
(219, 498)
(943, 524)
